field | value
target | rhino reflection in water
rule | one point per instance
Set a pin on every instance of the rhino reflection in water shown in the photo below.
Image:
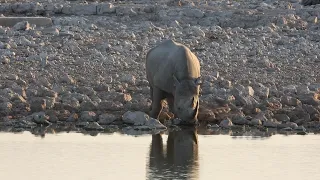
(179, 161)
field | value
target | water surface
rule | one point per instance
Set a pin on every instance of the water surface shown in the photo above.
(181, 155)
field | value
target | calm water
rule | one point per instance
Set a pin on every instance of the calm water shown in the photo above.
(181, 155)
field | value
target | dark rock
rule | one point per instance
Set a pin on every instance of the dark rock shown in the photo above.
(88, 116)
(37, 104)
(226, 123)
(282, 117)
(105, 119)
(290, 101)
(93, 126)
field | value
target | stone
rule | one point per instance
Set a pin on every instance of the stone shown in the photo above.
(88, 105)
(5, 107)
(300, 128)
(52, 116)
(127, 78)
(155, 124)
(67, 79)
(37, 104)
(110, 106)
(123, 97)
(24, 25)
(271, 123)
(310, 98)
(40, 118)
(72, 117)
(282, 117)
(88, 116)
(256, 122)
(261, 91)
(50, 31)
(290, 101)
(226, 123)
(292, 125)
(239, 120)
(136, 118)
(93, 126)
(193, 13)
(103, 8)
(105, 119)
(38, 21)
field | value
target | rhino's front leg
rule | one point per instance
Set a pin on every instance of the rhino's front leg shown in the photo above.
(170, 100)
(157, 96)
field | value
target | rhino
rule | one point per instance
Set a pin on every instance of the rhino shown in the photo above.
(173, 73)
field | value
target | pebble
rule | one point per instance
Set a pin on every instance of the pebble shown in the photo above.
(226, 123)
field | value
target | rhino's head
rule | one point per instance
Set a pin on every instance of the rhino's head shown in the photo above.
(186, 99)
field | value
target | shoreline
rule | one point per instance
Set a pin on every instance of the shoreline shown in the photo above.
(85, 62)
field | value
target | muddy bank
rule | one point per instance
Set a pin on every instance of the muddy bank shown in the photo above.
(235, 131)
(85, 65)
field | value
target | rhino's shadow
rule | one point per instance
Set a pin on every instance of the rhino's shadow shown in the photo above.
(179, 160)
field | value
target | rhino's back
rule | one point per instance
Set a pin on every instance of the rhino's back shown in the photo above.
(170, 58)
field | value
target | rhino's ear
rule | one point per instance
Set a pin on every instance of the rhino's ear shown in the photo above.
(175, 80)
(198, 81)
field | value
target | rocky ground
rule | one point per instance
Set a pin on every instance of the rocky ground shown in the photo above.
(84, 64)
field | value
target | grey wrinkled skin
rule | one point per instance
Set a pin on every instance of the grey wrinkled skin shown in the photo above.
(173, 72)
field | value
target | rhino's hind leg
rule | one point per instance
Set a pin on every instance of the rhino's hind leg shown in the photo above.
(151, 97)
(157, 97)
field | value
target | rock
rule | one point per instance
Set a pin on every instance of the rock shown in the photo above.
(193, 13)
(40, 118)
(50, 31)
(105, 119)
(37, 104)
(67, 79)
(256, 122)
(287, 129)
(24, 25)
(300, 128)
(93, 126)
(310, 98)
(155, 124)
(80, 9)
(4, 60)
(261, 91)
(88, 106)
(271, 123)
(110, 106)
(103, 8)
(52, 115)
(136, 118)
(72, 118)
(127, 78)
(123, 97)
(239, 120)
(292, 125)
(82, 123)
(5, 107)
(38, 21)
(290, 101)
(282, 117)
(88, 116)
(226, 123)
